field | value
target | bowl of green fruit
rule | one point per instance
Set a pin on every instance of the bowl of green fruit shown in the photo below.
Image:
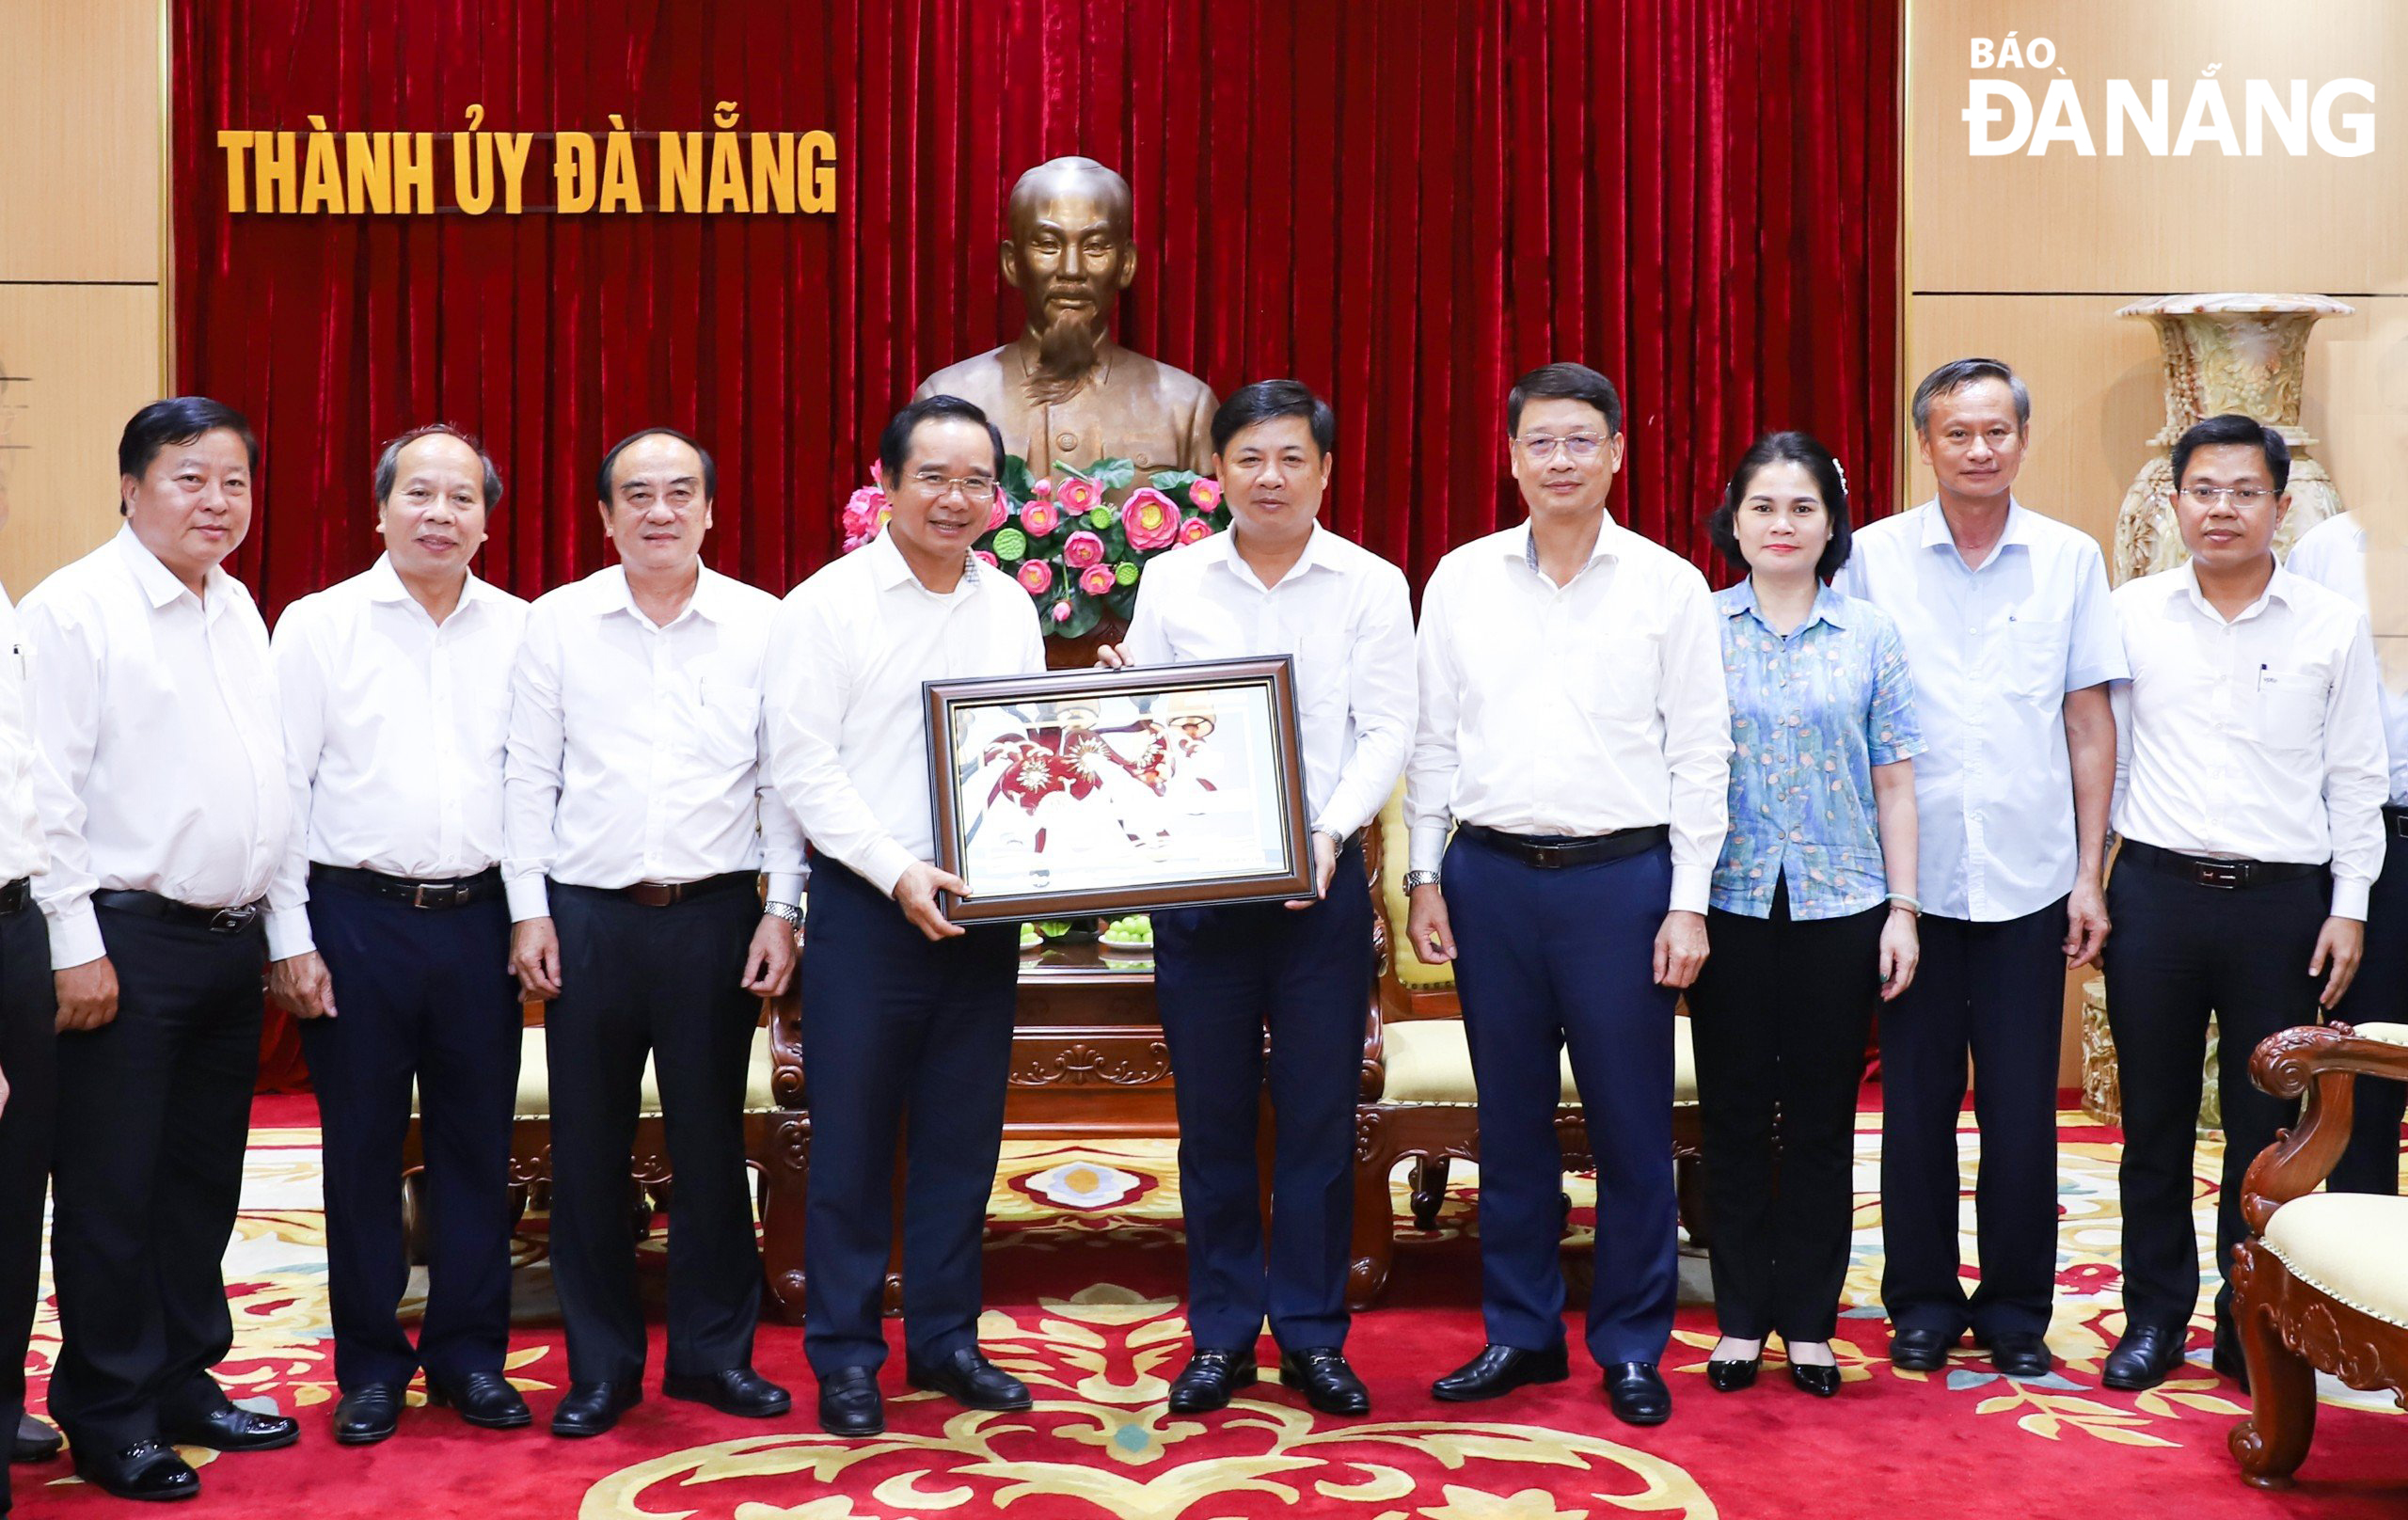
(1135, 933)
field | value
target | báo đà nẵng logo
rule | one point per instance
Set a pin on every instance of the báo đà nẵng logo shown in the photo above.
(2162, 118)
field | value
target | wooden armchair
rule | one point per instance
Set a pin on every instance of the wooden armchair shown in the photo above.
(1417, 1097)
(2321, 1281)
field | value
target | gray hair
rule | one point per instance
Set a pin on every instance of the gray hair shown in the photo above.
(389, 464)
(1956, 374)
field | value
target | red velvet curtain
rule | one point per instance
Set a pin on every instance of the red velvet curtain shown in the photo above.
(1402, 202)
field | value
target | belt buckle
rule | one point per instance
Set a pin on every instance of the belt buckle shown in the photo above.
(1546, 858)
(437, 895)
(2226, 876)
(233, 920)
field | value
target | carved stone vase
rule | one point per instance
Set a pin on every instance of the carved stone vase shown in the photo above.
(2233, 352)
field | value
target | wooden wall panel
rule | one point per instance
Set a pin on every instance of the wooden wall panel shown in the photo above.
(80, 360)
(79, 141)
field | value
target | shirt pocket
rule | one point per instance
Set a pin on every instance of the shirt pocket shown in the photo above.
(2290, 709)
(1620, 677)
(726, 726)
(2036, 658)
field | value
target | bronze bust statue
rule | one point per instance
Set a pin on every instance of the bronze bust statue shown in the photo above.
(1063, 390)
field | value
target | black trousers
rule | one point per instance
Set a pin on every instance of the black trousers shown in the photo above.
(1223, 978)
(154, 1117)
(29, 1059)
(1995, 992)
(666, 981)
(1778, 1021)
(2180, 952)
(420, 994)
(906, 1042)
(2379, 995)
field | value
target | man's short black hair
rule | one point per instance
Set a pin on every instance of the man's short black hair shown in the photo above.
(895, 444)
(1564, 382)
(602, 476)
(179, 420)
(2234, 427)
(1267, 400)
(388, 461)
(1775, 449)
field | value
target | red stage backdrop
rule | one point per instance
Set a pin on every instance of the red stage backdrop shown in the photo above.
(1403, 205)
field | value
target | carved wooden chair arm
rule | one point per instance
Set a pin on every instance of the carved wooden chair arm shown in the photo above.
(2322, 1063)
(785, 1014)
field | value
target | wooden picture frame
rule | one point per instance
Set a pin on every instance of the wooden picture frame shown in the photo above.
(1073, 794)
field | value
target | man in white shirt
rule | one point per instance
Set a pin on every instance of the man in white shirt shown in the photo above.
(2250, 778)
(28, 1046)
(1278, 583)
(1574, 733)
(2334, 555)
(638, 823)
(906, 1018)
(388, 936)
(164, 794)
(2008, 629)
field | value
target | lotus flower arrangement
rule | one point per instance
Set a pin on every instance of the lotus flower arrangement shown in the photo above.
(1075, 548)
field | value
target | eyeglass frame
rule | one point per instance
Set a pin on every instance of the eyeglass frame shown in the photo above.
(979, 490)
(1531, 444)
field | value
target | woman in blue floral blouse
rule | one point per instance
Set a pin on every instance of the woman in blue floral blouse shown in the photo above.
(1811, 909)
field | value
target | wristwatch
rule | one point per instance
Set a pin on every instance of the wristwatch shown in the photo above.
(787, 912)
(1420, 879)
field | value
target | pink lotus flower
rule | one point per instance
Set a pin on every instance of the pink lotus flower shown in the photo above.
(998, 512)
(1204, 494)
(1095, 579)
(987, 559)
(865, 511)
(1041, 490)
(1078, 493)
(1195, 530)
(1037, 576)
(1080, 550)
(1150, 519)
(1040, 517)
(1061, 611)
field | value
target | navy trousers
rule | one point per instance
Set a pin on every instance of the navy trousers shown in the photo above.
(1995, 992)
(668, 981)
(155, 1113)
(2379, 995)
(422, 995)
(2179, 951)
(29, 1057)
(1553, 961)
(908, 1042)
(1223, 978)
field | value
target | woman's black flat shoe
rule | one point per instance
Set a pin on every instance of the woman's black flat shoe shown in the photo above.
(1822, 1382)
(1730, 1377)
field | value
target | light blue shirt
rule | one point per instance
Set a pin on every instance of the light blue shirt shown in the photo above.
(1811, 713)
(1994, 649)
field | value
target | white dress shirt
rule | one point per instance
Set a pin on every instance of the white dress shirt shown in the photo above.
(1577, 709)
(2259, 738)
(848, 743)
(394, 728)
(636, 749)
(162, 752)
(1994, 649)
(2334, 555)
(1346, 616)
(23, 849)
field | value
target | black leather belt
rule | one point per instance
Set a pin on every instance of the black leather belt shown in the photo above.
(151, 905)
(2394, 821)
(668, 893)
(17, 895)
(457, 892)
(2208, 871)
(1549, 853)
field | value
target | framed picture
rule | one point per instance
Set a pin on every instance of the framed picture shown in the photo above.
(1074, 793)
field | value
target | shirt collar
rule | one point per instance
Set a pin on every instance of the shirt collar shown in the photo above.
(1524, 545)
(2282, 587)
(1224, 545)
(2017, 529)
(158, 583)
(385, 584)
(1830, 606)
(889, 569)
(707, 603)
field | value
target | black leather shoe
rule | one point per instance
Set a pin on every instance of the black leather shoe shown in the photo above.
(1499, 1370)
(2020, 1354)
(36, 1441)
(1209, 1379)
(1822, 1382)
(2146, 1356)
(1731, 1376)
(591, 1408)
(233, 1429)
(969, 1380)
(1920, 1351)
(738, 1390)
(485, 1399)
(146, 1470)
(849, 1404)
(367, 1414)
(1322, 1375)
(1638, 1393)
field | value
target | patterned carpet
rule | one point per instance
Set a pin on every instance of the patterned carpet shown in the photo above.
(1084, 1276)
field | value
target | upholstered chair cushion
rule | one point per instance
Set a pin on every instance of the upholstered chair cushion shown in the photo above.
(1430, 1062)
(1413, 974)
(2352, 1247)
(534, 1100)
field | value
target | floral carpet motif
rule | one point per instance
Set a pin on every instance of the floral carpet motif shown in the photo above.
(1084, 1272)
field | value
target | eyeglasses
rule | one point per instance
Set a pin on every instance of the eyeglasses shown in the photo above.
(978, 489)
(2239, 495)
(1579, 447)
